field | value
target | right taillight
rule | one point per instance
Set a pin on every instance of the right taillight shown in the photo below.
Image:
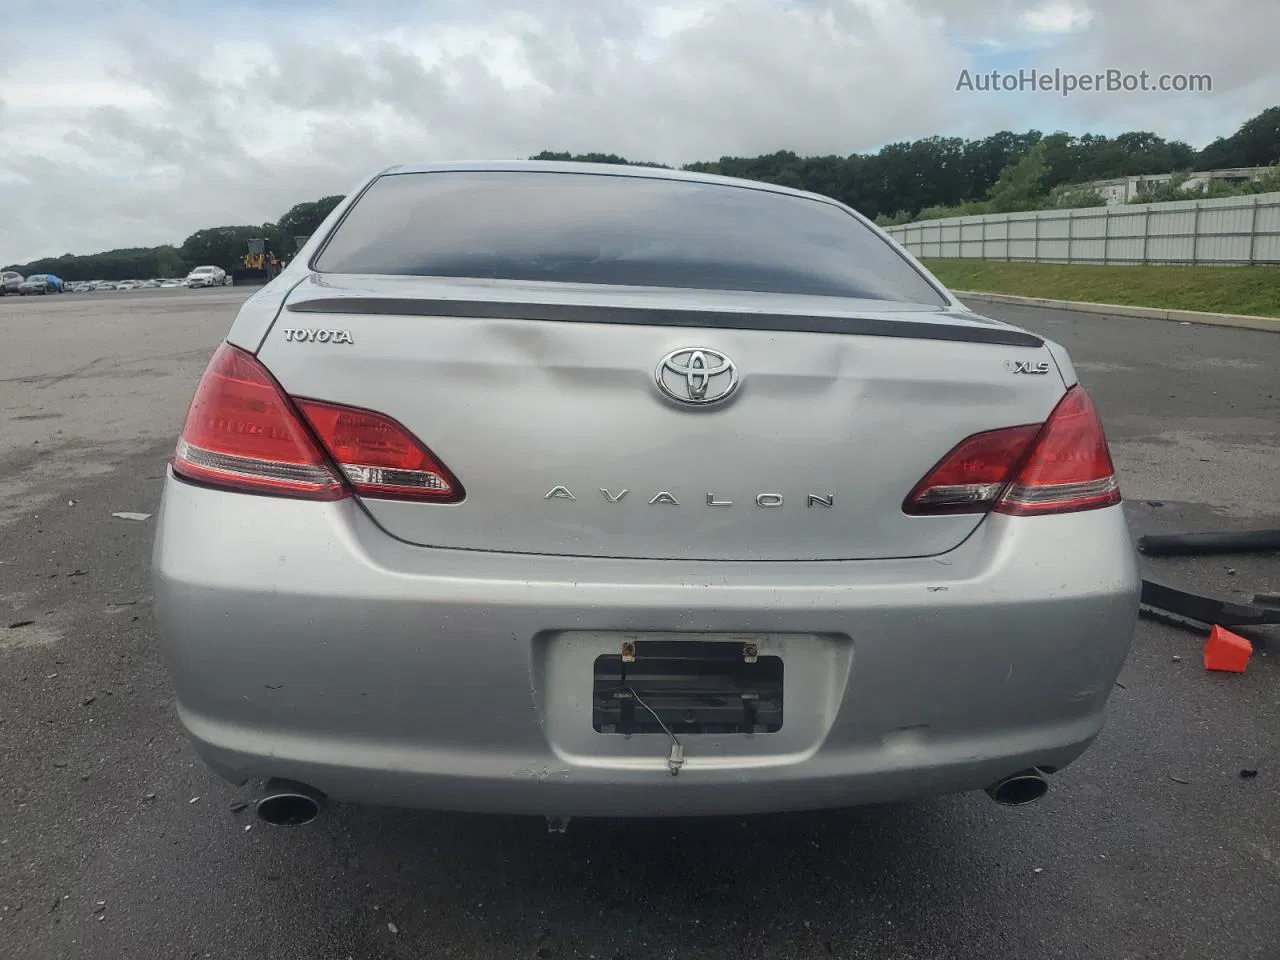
(1058, 467)
(1069, 467)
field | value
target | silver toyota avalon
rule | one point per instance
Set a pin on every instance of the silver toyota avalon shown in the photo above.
(583, 490)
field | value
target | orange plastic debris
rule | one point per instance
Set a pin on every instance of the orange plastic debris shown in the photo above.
(1227, 651)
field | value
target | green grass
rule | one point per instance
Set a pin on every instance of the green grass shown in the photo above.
(1247, 290)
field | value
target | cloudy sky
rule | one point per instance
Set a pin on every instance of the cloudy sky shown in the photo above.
(140, 121)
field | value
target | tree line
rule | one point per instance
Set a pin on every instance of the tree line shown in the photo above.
(217, 246)
(920, 179)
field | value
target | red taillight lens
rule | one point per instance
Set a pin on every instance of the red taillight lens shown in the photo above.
(379, 457)
(1059, 467)
(1069, 467)
(242, 433)
(969, 478)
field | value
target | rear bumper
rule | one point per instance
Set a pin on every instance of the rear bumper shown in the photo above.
(305, 643)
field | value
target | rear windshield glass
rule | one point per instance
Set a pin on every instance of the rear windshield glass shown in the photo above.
(595, 228)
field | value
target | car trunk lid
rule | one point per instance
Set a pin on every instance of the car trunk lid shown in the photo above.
(548, 403)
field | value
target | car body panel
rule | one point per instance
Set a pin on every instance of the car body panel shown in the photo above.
(305, 643)
(810, 459)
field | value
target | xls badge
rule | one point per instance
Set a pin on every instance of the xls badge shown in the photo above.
(1034, 367)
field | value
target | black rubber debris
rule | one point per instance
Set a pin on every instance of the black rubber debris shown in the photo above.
(1195, 544)
(1208, 610)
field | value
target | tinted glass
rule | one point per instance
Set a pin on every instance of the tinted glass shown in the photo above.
(592, 228)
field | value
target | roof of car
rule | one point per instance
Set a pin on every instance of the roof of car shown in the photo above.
(603, 169)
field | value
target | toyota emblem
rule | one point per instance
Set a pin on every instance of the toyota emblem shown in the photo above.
(697, 375)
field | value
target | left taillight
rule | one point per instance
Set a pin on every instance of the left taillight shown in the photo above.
(380, 457)
(243, 433)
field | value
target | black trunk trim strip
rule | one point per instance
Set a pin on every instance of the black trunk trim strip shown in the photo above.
(581, 313)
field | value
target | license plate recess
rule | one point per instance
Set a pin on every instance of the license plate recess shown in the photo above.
(693, 687)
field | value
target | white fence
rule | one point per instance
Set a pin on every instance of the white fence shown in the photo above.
(1226, 231)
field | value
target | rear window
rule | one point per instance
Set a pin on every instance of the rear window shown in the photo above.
(635, 231)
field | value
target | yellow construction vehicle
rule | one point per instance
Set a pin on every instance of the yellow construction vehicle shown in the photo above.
(257, 266)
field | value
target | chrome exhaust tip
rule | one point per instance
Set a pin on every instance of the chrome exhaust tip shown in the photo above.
(1026, 786)
(287, 803)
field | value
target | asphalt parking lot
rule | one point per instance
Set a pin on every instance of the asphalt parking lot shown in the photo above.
(115, 841)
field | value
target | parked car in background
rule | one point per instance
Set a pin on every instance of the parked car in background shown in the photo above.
(206, 277)
(10, 280)
(171, 284)
(127, 285)
(40, 283)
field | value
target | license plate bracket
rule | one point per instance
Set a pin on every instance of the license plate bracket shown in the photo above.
(692, 686)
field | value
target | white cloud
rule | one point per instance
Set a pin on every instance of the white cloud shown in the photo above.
(1056, 17)
(139, 128)
(73, 95)
(666, 20)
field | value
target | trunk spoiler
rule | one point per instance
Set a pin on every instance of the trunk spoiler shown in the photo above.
(658, 317)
